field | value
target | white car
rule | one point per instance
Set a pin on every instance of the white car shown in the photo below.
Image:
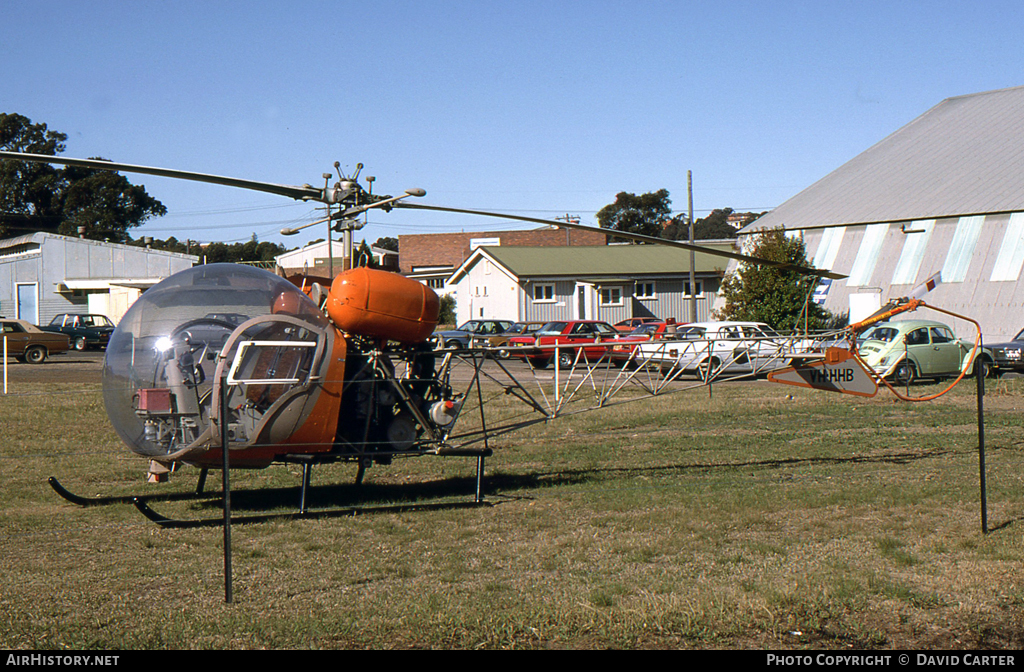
(710, 348)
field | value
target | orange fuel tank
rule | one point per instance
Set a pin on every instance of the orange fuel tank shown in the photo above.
(380, 304)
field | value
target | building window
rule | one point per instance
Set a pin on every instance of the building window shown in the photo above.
(1011, 252)
(645, 290)
(686, 288)
(914, 245)
(828, 248)
(965, 238)
(867, 255)
(543, 293)
(611, 296)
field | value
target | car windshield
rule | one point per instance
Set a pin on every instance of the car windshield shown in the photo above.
(551, 329)
(524, 327)
(96, 321)
(884, 334)
(645, 329)
(1019, 336)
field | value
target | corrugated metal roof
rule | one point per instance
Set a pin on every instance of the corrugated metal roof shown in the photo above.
(605, 260)
(965, 156)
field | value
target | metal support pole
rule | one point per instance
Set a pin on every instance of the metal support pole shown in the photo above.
(479, 479)
(693, 255)
(201, 484)
(228, 593)
(307, 467)
(980, 370)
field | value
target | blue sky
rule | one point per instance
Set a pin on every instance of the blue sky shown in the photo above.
(536, 108)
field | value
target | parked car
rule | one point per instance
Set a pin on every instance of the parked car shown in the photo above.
(539, 348)
(707, 348)
(500, 341)
(85, 331)
(1008, 357)
(459, 338)
(648, 331)
(905, 350)
(632, 323)
(28, 343)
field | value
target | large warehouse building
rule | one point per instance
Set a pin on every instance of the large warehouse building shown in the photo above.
(942, 195)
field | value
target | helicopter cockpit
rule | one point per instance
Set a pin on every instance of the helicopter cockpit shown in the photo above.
(213, 325)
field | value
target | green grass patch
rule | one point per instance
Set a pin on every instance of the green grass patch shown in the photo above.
(757, 517)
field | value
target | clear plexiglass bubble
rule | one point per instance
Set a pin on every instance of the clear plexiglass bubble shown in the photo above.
(162, 358)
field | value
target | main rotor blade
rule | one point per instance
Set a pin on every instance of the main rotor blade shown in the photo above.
(305, 192)
(633, 236)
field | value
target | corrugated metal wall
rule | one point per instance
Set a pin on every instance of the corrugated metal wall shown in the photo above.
(979, 259)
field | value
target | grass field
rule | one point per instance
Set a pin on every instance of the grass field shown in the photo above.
(761, 516)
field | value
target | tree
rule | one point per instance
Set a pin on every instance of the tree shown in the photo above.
(715, 226)
(644, 214)
(387, 243)
(778, 297)
(40, 197)
(447, 310)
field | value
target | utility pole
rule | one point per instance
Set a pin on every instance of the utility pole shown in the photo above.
(693, 255)
(569, 220)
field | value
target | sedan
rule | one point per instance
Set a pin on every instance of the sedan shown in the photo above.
(634, 322)
(459, 338)
(905, 350)
(710, 348)
(648, 331)
(1008, 357)
(28, 343)
(499, 342)
(83, 330)
(539, 349)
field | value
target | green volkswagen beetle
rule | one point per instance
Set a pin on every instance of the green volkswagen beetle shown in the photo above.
(905, 350)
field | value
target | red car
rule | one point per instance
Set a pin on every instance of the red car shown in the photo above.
(539, 348)
(634, 322)
(649, 331)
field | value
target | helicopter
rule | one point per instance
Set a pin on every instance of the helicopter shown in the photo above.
(227, 366)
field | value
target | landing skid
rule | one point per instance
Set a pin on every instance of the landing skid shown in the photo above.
(178, 523)
(82, 500)
(307, 463)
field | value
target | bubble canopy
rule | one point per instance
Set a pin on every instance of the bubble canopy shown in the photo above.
(161, 360)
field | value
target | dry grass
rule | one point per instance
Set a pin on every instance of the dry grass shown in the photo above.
(758, 517)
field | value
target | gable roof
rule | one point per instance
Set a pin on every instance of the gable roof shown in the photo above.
(599, 261)
(965, 156)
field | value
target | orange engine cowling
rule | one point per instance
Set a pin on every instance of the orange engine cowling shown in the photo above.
(380, 304)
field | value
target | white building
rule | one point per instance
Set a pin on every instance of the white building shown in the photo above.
(44, 274)
(316, 258)
(942, 195)
(601, 282)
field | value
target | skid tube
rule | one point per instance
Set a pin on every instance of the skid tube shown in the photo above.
(101, 500)
(303, 512)
(178, 523)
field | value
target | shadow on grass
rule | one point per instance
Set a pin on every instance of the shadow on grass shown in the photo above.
(509, 485)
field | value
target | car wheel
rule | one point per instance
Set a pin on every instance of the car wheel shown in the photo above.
(905, 373)
(452, 345)
(35, 355)
(987, 370)
(540, 362)
(504, 353)
(708, 368)
(566, 359)
(79, 343)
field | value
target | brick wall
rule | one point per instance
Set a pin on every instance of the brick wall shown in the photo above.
(440, 249)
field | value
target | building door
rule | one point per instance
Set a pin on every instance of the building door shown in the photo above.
(584, 301)
(27, 307)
